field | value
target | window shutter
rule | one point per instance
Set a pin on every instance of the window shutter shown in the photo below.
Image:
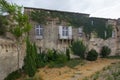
(113, 34)
(60, 32)
(80, 30)
(105, 34)
(70, 32)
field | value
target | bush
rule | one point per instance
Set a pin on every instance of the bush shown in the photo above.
(42, 60)
(68, 54)
(105, 51)
(92, 55)
(51, 58)
(14, 75)
(78, 48)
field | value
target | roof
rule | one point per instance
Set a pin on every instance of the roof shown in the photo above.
(102, 18)
(56, 11)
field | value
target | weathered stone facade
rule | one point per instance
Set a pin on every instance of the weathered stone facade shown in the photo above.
(51, 39)
(9, 57)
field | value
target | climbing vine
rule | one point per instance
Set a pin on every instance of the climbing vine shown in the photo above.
(97, 25)
(73, 19)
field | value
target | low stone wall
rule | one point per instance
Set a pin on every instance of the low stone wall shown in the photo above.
(8, 57)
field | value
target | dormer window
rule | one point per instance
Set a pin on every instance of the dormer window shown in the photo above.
(38, 31)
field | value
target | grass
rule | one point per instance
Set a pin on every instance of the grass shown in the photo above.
(113, 57)
(71, 63)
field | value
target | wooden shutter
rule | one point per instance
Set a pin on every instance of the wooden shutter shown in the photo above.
(60, 32)
(70, 32)
(80, 30)
(113, 34)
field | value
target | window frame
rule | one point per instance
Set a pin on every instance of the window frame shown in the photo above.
(39, 31)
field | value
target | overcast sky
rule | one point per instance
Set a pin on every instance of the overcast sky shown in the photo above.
(96, 8)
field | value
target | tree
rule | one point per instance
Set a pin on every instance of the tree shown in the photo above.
(17, 21)
(30, 65)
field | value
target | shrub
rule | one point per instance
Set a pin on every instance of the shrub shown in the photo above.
(42, 59)
(78, 48)
(30, 66)
(14, 75)
(52, 55)
(68, 54)
(61, 58)
(51, 58)
(105, 51)
(92, 55)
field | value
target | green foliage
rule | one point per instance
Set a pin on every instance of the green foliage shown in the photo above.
(74, 62)
(14, 75)
(3, 23)
(109, 30)
(51, 58)
(105, 51)
(55, 56)
(100, 27)
(78, 48)
(6, 7)
(42, 16)
(114, 57)
(75, 20)
(92, 55)
(39, 16)
(68, 53)
(36, 77)
(42, 59)
(30, 59)
(17, 21)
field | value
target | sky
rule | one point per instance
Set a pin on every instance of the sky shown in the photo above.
(96, 8)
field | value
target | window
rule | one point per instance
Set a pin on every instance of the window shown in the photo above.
(64, 31)
(80, 32)
(38, 31)
(92, 23)
(113, 34)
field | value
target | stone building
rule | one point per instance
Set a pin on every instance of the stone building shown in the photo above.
(53, 35)
(57, 36)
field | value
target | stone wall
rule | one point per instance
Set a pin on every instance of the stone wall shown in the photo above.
(8, 57)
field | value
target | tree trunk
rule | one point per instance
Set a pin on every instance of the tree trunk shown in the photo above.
(18, 55)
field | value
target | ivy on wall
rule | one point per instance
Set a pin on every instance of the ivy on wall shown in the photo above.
(73, 19)
(97, 25)
(103, 30)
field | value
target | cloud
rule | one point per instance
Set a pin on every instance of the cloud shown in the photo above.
(97, 8)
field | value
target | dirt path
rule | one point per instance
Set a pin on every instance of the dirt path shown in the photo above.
(77, 73)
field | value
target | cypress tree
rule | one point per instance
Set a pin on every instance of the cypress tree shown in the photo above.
(30, 59)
